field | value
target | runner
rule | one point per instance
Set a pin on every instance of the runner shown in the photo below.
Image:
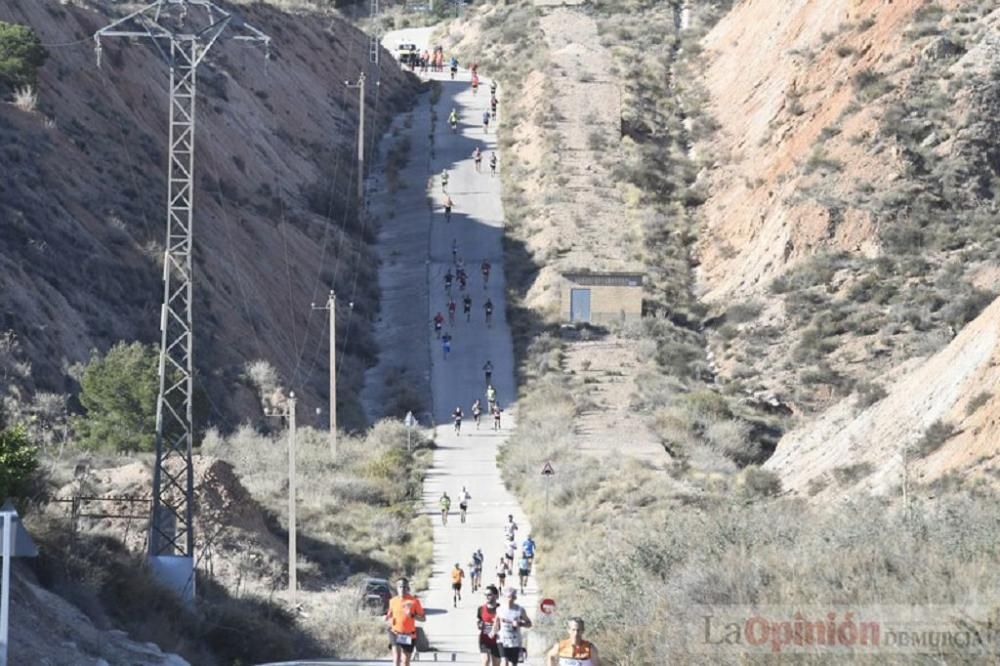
(451, 311)
(462, 279)
(404, 612)
(488, 307)
(496, 411)
(493, 106)
(438, 323)
(509, 554)
(454, 250)
(528, 548)
(491, 396)
(446, 345)
(475, 83)
(448, 277)
(510, 619)
(488, 371)
(523, 571)
(485, 617)
(502, 570)
(453, 120)
(467, 307)
(477, 412)
(447, 208)
(477, 156)
(445, 503)
(456, 416)
(444, 180)
(484, 268)
(509, 531)
(457, 575)
(476, 571)
(486, 122)
(454, 67)
(493, 87)
(573, 651)
(493, 164)
(463, 503)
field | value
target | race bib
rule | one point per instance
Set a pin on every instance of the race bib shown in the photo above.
(567, 661)
(404, 639)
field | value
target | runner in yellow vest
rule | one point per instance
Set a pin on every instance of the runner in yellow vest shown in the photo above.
(574, 651)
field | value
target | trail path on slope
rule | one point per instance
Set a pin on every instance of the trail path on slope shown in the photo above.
(476, 228)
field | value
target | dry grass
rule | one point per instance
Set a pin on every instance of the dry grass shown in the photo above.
(360, 509)
(674, 545)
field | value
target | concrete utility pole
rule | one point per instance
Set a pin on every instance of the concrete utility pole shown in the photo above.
(292, 496)
(331, 305)
(360, 85)
(289, 413)
(182, 31)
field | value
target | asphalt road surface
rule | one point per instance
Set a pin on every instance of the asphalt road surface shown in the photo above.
(469, 459)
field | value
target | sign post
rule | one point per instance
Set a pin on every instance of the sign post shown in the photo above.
(16, 543)
(547, 472)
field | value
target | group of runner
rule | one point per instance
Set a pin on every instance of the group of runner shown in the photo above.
(499, 619)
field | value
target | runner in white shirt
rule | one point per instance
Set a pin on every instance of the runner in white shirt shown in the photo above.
(510, 619)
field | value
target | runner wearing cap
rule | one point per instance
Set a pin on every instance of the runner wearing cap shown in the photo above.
(510, 619)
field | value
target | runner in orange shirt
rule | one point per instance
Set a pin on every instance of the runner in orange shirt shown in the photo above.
(456, 584)
(404, 612)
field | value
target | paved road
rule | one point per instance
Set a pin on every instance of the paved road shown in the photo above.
(415, 249)
(476, 230)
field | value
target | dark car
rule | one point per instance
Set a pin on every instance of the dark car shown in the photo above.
(375, 595)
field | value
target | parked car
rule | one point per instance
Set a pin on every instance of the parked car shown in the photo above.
(408, 54)
(375, 594)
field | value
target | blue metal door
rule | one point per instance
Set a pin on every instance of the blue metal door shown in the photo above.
(579, 305)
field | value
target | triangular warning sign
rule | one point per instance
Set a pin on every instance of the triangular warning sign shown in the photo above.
(547, 469)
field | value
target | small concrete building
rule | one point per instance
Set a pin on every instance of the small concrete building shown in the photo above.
(601, 297)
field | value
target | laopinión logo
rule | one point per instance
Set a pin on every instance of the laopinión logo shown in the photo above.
(846, 630)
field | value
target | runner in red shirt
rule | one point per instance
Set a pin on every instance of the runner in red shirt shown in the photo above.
(485, 616)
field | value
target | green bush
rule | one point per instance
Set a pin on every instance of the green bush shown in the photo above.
(21, 55)
(118, 392)
(18, 460)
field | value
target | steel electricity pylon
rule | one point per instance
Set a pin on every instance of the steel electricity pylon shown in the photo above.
(182, 31)
(375, 38)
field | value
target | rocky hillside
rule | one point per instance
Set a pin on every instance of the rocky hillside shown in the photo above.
(82, 201)
(849, 224)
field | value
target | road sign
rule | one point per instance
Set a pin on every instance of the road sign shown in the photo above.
(409, 420)
(547, 469)
(548, 606)
(14, 542)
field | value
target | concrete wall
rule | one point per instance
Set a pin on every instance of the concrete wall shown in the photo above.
(607, 304)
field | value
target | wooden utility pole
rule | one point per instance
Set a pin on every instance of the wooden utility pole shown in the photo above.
(331, 303)
(289, 413)
(360, 85)
(292, 550)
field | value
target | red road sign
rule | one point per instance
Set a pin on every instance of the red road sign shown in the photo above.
(547, 469)
(547, 606)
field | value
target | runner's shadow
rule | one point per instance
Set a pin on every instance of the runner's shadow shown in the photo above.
(434, 611)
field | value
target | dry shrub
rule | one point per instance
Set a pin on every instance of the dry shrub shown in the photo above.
(26, 99)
